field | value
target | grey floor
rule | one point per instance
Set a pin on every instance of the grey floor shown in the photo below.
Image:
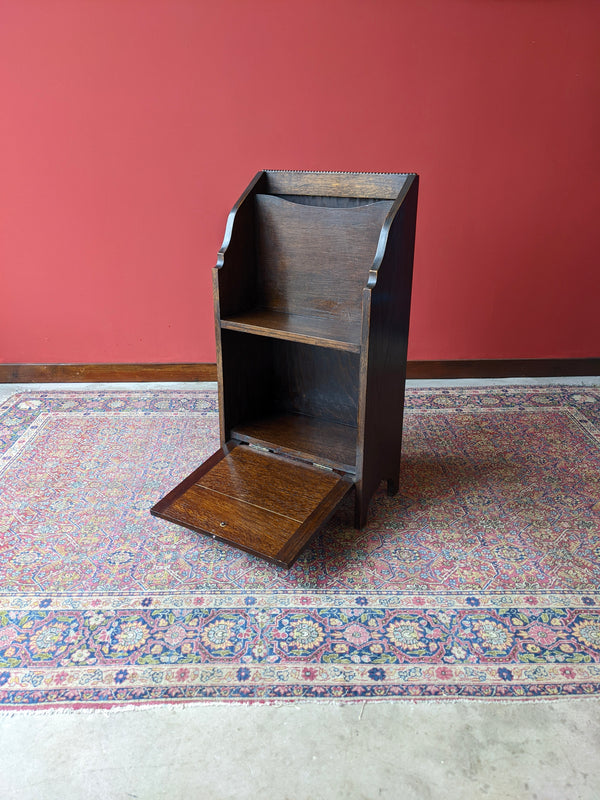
(306, 751)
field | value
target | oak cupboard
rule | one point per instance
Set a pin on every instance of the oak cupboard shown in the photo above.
(312, 298)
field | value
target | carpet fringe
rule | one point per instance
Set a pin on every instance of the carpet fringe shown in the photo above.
(247, 704)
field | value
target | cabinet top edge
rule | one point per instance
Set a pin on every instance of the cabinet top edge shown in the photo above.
(382, 185)
(332, 172)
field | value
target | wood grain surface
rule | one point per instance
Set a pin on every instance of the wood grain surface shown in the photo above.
(257, 501)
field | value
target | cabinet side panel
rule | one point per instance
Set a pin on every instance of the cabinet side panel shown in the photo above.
(237, 276)
(250, 387)
(382, 401)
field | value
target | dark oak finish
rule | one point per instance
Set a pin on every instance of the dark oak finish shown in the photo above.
(312, 296)
(380, 185)
(244, 525)
(386, 312)
(342, 334)
(318, 440)
(242, 496)
(321, 514)
(264, 480)
(313, 260)
(267, 377)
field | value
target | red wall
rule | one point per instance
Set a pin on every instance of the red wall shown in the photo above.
(129, 128)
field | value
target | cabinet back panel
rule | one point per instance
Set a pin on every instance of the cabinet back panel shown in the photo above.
(314, 261)
(317, 381)
(265, 376)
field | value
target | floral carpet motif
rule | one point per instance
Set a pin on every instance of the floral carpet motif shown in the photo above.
(479, 579)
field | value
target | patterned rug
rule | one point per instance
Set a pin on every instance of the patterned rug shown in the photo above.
(479, 579)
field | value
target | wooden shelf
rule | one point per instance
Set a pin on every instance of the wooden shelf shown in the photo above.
(318, 440)
(321, 331)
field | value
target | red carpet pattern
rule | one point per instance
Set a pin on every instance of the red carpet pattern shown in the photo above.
(479, 579)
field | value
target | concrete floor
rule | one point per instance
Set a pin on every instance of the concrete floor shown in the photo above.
(306, 751)
(400, 751)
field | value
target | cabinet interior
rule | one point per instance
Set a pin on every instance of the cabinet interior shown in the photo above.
(292, 397)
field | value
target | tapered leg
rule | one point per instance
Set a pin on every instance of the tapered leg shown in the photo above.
(392, 486)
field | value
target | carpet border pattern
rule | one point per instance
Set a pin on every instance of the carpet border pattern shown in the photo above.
(505, 645)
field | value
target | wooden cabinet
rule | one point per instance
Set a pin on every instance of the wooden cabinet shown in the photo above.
(312, 298)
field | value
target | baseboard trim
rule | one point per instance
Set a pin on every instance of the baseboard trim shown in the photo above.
(423, 370)
(105, 373)
(504, 368)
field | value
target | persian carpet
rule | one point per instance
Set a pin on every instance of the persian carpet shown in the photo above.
(479, 579)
